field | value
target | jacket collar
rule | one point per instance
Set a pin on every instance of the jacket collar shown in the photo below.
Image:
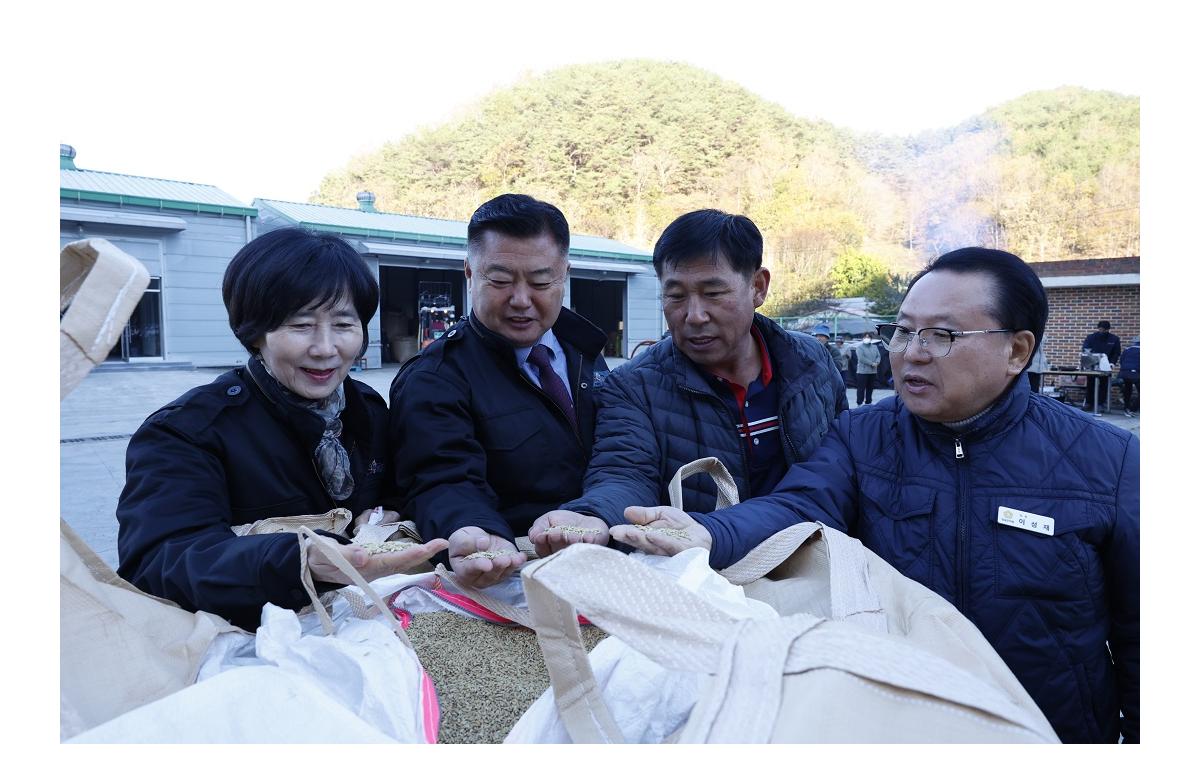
(302, 421)
(570, 329)
(786, 364)
(1005, 412)
(791, 366)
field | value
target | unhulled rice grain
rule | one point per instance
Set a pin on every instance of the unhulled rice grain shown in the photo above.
(678, 533)
(573, 529)
(388, 546)
(486, 675)
(490, 554)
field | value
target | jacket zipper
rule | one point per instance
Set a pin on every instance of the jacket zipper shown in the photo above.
(741, 443)
(795, 457)
(960, 456)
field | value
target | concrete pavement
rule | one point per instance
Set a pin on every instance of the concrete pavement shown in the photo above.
(97, 419)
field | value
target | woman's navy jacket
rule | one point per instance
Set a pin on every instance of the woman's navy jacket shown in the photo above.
(221, 455)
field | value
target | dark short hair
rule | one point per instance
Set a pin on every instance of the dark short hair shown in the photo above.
(1019, 303)
(1104, 324)
(285, 270)
(709, 233)
(518, 216)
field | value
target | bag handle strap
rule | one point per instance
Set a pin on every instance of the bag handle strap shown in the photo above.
(727, 492)
(907, 666)
(770, 554)
(310, 539)
(580, 704)
(628, 598)
(742, 702)
(672, 626)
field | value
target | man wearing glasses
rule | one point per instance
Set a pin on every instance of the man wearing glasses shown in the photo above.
(1022, 512)
(492, 424)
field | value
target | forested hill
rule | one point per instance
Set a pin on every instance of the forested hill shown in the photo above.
(1050, 175)
(625, 147)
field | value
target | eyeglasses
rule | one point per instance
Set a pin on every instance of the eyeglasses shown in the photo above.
(935, 341)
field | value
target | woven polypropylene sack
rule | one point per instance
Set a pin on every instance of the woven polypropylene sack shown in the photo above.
(119, 647)
(798, 678)
(99, 287)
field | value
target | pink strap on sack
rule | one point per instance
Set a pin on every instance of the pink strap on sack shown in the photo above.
(430, 712)
(404, 616)
(470, 606)
(475, 609)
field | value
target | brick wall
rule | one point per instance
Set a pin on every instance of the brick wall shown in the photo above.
(1075, 267)
(1074, 313)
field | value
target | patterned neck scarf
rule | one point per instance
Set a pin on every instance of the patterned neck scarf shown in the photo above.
(330, 456)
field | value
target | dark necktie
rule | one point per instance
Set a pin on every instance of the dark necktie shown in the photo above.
(552, 385)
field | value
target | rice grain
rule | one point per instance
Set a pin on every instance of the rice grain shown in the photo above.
(677, 533)
(486, 675)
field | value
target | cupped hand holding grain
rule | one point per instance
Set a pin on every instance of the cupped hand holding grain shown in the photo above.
(500, 557)
(371, 566)
(661, 530)
(560, 528)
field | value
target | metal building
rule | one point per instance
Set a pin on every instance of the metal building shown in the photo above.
(185, 234)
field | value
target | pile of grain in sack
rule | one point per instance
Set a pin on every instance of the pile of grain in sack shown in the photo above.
(486, 674)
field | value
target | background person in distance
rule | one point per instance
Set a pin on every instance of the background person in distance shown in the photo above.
(867, 355)
(486, 443)
(728, 383)
(933, 480)
(1102, 341)
(288, 434)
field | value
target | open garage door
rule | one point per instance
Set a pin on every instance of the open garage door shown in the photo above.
(602, 302)
(401, 290)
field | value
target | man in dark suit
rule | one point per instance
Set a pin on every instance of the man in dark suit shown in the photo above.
(492, 423)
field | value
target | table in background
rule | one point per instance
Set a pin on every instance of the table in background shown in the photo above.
(1096, 378)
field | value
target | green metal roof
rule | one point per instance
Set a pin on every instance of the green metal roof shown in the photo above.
(419, 229)
(144, 192)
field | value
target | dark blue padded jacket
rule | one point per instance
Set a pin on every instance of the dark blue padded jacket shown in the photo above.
(658, 412)
(929, 503)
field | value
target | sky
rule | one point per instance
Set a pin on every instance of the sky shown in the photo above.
(263, 99)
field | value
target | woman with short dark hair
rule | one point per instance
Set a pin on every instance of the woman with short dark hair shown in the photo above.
(288, 434)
